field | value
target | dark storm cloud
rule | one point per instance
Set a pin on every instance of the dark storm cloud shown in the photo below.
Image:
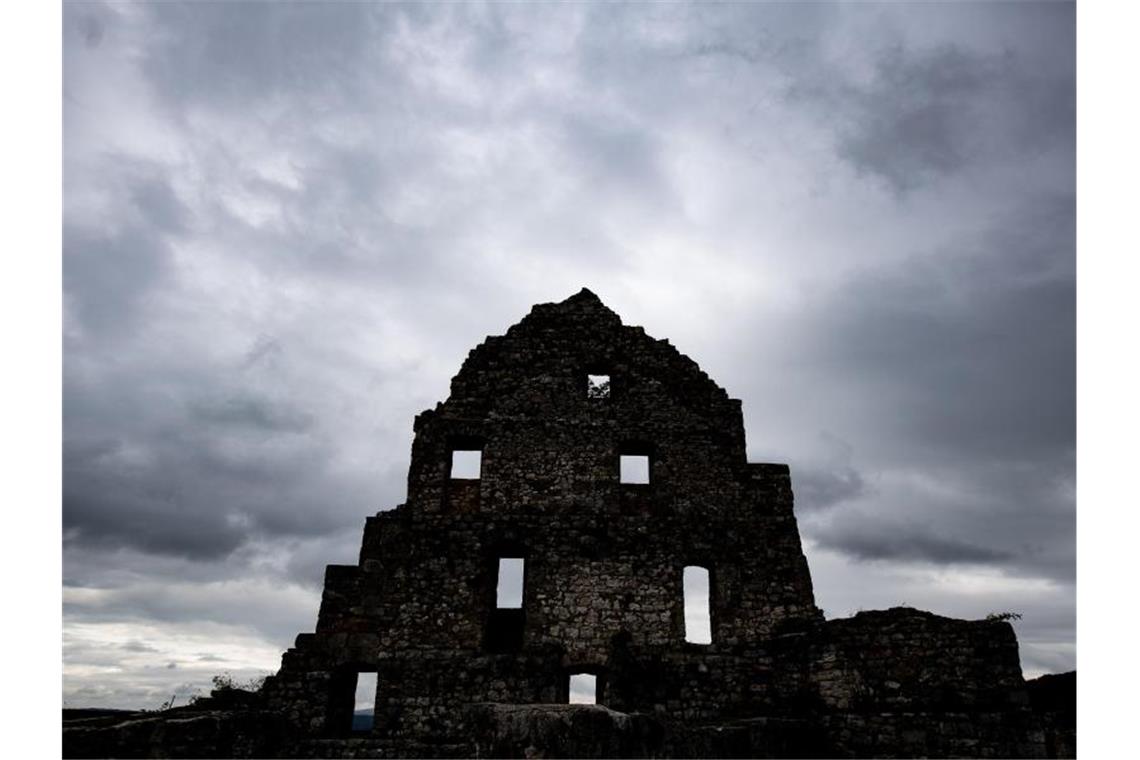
(907, 543)
(829, 477)
(817, 489)
(963, 359)
(1018, 515)
(109, 268)
(286, 224)
(969, 350)
(923, 113)
(197, 493)
(195, 465)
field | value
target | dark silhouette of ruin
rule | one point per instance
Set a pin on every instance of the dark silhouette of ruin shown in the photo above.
(552, 412)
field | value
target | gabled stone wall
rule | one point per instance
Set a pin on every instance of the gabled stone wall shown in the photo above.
(603, 560)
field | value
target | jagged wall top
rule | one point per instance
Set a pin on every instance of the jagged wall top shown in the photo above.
(569, 338)
(521, 398)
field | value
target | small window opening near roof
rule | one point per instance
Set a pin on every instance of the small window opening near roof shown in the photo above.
(583, 689)
(597, 386)
(466, 464)
(510, 590)
(634, 468)
(698, 624)
(364, 706)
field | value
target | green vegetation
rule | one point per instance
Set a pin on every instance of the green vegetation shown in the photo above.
(226, 681)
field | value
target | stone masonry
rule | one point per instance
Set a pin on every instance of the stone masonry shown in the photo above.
(603, 563)
(602, 581)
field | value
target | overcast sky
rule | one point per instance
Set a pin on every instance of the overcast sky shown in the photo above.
(286, 224)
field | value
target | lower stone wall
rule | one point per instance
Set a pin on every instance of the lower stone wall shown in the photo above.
(986, 734)
(895, 683)
(378, 748)
(908, 660)
(182, 732)
(696, 685)
(419, 693)
(586, 731)
(301, 698)
(1054, 698)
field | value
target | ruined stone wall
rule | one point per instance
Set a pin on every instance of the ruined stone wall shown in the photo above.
(935, 734)
(604, 560)
(904, 658)
(904, 683)
(603, 587)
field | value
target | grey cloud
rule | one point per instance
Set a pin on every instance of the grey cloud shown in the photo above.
(203, 505)
(250, 603)
(112, 263)
(138, 646)
(95, 565)
(1019, 517)
(157, 203)
(238, 52)
(265, 349)
(247, 411)
(307, 559)
(968, 351)
(138, 681)
(828, 477)
(956, 367)
(91, 28)
(620, 159)
(918, 119)
(106, 274)
(106, 503)
(819, 489)
(202, 479)
(899, 542)
(927, 113)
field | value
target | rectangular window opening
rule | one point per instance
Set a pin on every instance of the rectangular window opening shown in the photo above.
(698, 624)
(635, 468)
(364, 704)
(466, 464)
(583, 689)
(597, 386)
(509, 595)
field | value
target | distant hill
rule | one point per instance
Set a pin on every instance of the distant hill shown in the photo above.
(86, 713)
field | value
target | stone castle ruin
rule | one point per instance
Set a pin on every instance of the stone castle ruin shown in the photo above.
(580, 481)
